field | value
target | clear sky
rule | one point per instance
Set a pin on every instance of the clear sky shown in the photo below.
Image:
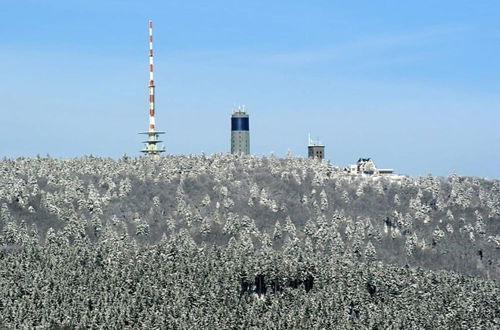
(413, 84)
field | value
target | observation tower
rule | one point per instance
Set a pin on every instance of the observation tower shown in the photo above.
(315, 149)
(240, 132)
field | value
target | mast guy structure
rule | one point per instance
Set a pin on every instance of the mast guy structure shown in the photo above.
(151, 146)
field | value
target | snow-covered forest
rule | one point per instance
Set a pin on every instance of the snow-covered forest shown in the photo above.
(243, 242)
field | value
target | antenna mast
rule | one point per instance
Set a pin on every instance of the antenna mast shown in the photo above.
(151, 81)
(151, 145)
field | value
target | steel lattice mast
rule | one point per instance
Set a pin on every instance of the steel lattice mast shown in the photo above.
(151, 145)
(151, 80)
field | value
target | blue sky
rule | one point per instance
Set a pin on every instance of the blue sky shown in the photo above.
(414, 85)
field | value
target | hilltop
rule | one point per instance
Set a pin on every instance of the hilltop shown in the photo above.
(243, 242)
(434, 222)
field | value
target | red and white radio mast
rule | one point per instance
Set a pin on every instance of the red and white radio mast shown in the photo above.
(151, 146)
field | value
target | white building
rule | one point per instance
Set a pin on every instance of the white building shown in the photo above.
(367, 166)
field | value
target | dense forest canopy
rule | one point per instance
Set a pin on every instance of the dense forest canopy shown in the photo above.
(190, 241)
